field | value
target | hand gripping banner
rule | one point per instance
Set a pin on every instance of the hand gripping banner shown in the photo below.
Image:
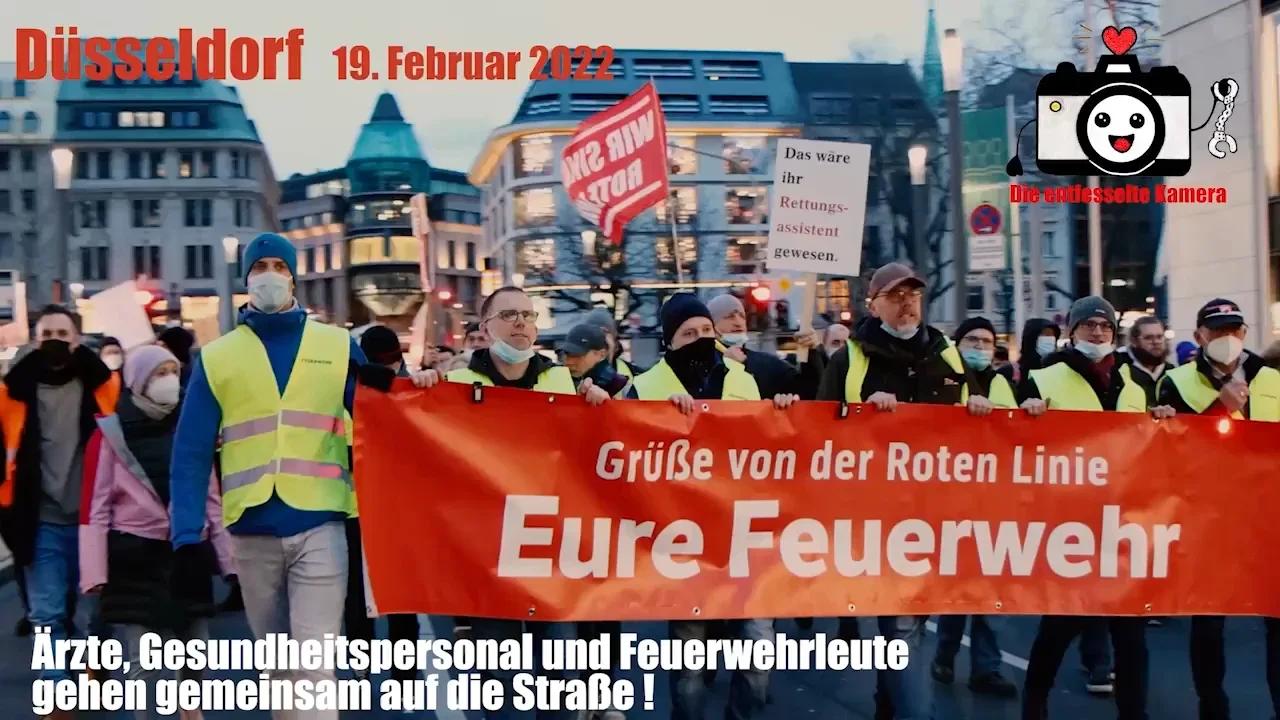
(532, 506)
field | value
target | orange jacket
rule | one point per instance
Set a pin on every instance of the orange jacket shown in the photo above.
(13, 420)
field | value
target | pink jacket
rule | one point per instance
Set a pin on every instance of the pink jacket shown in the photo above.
(119, 501)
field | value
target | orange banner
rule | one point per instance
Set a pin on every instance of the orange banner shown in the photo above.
(539, 507)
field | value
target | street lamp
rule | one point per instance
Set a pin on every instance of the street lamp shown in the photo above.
(63, 160)
(916, 157)
(230, 253)
(952, 77)
(77, 290)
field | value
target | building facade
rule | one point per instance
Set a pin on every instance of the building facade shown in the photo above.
(359, 259)
(163, 171)
(28, 110)
(1227, 250)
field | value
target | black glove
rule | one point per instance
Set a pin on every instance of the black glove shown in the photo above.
(378, 377)
(191, 581)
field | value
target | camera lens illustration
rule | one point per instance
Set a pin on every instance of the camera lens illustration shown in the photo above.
(1121, 129)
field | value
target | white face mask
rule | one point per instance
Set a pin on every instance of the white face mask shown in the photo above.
(1046, 345)
(1225, 349)
(165, 390)
(113, 361)
(905, 333)
(270, 292)
(1095, 351)
(508, 354)
(734, 339)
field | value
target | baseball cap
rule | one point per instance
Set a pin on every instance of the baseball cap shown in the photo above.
(583, 338)
(1219, 313)
(891, 276)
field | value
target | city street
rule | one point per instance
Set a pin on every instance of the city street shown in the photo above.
(836, 695)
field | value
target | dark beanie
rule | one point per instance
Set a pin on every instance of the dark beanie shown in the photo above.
(179, 340)
(381, 345)
(973, 323)
(677, 310)
(108, 340)
(270, 245)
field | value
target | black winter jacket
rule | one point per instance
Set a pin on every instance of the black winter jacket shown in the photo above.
(911, 370)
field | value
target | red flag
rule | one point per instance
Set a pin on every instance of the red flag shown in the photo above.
(615, 166)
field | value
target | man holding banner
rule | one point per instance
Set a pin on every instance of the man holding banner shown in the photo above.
(693, 369)
(1087, 377)
(891, 358)
(1226, 380)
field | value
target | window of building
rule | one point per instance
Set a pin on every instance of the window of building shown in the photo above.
(444, 256)
(686, 202)
(198, 213)
(146, 261)
(146, 213)
(870, 110)
(155, 164)
(674, 68)
(593, 102)
(95, 263)
(471, 257)
(977, 297)
(367, 250)
(244, 213)
(205, 167)
(29, 201)
(19, 88)
(746, 255)
(745, 154)
(666, 264)
(6, 245)
(459, 253)
(738, 104)
(831, 109)
(681, 156)
(28, 160)
(1048, 244)
(5, 122)
(30, 122)
(133, 167)
(81, 164)
(404, 248)
(536, 257)
(104, 165)
(541, 105)
(92, 213)
(746, 205)
(335, 257)
(680, 104)
(732, 70)
(534, 156)
(186, 164)
(199, 262)
(88, 119)
(1050, 300)
(535, 208)
(5, 207)
(4, 160)
(241, 164)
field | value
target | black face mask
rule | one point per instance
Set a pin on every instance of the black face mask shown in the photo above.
(56, 352)
(693, 362)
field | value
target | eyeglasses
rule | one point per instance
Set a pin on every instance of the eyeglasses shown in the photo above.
(980, 342)
(902, 295)
(1101, 326)
(509, 316)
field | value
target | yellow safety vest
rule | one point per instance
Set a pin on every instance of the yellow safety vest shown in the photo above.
(1064, 389)
(859, 363)
(1197, 392)
(555, 379)
(622, 368)
(1000, 394)
(660, 382)
(295, 444)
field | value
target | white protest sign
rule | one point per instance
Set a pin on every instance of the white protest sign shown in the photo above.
(118, 313)
(986, 252)
(819, 205)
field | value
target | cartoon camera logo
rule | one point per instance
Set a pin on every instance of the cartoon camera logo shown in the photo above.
(1119, 120)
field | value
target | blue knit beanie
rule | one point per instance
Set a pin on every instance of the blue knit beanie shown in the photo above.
(270, 245)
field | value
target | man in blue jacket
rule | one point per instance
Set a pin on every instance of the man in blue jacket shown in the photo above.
(272, 391)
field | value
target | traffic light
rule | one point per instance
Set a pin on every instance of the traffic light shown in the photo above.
(445, 295)
(782, 314)
(757, 307)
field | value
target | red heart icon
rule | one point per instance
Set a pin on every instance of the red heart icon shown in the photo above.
(1119, 41)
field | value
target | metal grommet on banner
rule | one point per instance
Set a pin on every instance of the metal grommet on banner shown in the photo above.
(852, 607)
(843, 411)
(532, 612)
(999, 605)
(857, 410)
(1011, 414)
(551, 398)
(706, 407)
(477, 392)
(697, 611)
(1148, 608)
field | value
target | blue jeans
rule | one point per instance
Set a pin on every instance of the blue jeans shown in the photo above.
(908, 690)
(488, 628)
(53, 573)
(984, 651)
(748, 690)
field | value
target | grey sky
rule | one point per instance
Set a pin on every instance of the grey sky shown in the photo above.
(311, 124)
